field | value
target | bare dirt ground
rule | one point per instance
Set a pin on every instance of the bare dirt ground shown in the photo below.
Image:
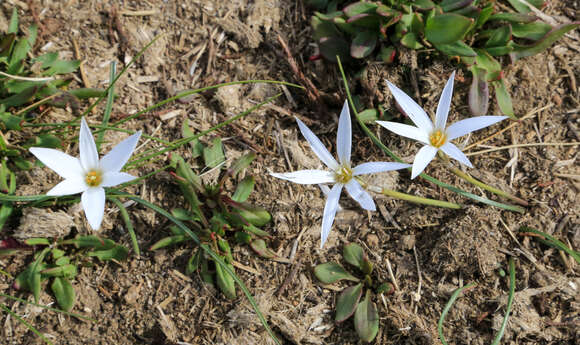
(432, 251)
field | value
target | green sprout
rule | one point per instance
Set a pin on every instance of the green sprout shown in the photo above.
(348, 303)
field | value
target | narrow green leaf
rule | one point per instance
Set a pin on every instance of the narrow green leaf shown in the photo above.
(448, 306)
(241, 163)
(347, 302)
(521, 7)
(532, 31)
(369, 115)
(447, 28)
(500, 36)
(553, 242)
(13, 26)
(10, 121)
(117, 252)
(259, 246)
(411, 41)
(452, 5)
(169, 241)
(225, 281)
(478, 92)
(68, 271)
(521, 51)
(514, 17)
(64, 293)
(366, 319)
(458, 48)
(331, 272)
(255, 215)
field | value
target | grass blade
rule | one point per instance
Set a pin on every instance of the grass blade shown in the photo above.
(128, 224)
(510, 301)
(552, 242)
(448, 306)
(109, 104)
(29, 326)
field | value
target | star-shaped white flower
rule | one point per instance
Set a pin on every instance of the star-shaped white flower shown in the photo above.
(434, 135)
(340, 174)
(88, 174)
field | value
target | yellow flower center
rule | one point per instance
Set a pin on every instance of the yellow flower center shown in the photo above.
(438, 138)
(343, 175)
(94, 178)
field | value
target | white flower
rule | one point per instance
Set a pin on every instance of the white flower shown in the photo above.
(88, 174)
(435, 136)
(340, 174)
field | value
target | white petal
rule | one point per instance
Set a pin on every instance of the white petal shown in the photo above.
(423, 157)
(329, 212)
(69, 186)
(89, 155)
(357, 192)
(317, 146)
(460, 128)
(377, 167)
(111, 179)
(307, 176)
(411, 108)
(64, 165)
(444, 103)
(93, 201)
(344, 136)
(406, 131)
(120, 154)
(456, 153)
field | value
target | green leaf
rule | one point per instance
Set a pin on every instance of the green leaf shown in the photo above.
(514, 17)
(254, 230)
(411, 41)
(241, 163)
(196, 145)
(523, 8)
(532, 31)
(182, 214)
(34, 283)
(387, 54)
(193, 262)
(244, 189)
(503, 98)
(19, 98)
(456, 48)
(19, 52)
(330, 47)
(447, 28)
(225, 281)
(451, 5)
(363, 44)
(359, 7)
(483, 17)
(64, 293)
(322, 28)
(368, 21)
(369, 115)
(6, 42)
(478, 92)
(255, 215)
(169, 241)
(424, 4)
(259, 246)
(366, 319)
(347, 301)
(47, 140)
(13, 26)
(10, 121)
(488, 63)
(500, 36)
(5, 212)
(353, 254)
(33, 33)
(68, 271)
(117, 252)
(552, 242)
(214, 154)
(331, 272)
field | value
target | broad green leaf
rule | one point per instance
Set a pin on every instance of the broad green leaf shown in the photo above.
(456, 49)
(241, 163)
(214, 154)
(523, 8)
(364, 20)
(62, 67)
(244, 189)
(500, 36)
(330, 47)
(499, 51)
(47, 140)
(255, 215)
(368, 115)
(410, 40)
(353, 254)
(117, 252)
(193, 262)
(6, 42)
(328, 16)
(359, 7)
(225, 281)
(532, 31)
(447, 28)
(363, 44)
(387, 54)
(483, 17)
(478, 92)
(19, 52)
(331, 272)
(503, 98)
(196, 145)
(514, 17)
(487, 62)
(243, 237)
(322, 28)
(424, 4)
(20, 98)
(366, 319)
(10, 121)
(64, 293)
(347, 302)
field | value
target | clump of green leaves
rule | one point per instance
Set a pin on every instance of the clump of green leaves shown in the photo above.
(475, 31)
(58, 263)
(366, 315)
(218, 219)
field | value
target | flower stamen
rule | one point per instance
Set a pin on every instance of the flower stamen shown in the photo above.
(343, 175)
(438, 138)
(94, 178)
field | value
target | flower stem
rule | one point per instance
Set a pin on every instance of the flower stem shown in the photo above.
(488, 188)
(412, 198)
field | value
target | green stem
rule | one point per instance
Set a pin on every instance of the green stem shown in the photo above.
(128, 223)
(419, 200)
(488, 188)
